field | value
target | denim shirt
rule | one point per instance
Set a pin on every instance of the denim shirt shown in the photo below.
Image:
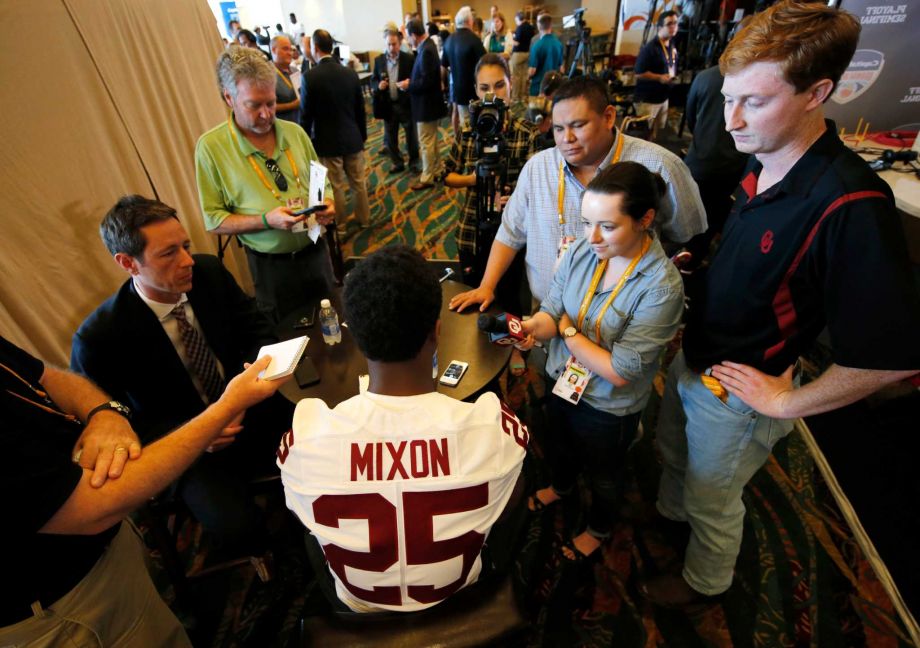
(639, 323)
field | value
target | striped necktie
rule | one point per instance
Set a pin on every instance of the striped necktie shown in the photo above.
(201, 358)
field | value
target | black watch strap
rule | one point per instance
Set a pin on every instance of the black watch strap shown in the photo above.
(112, 405)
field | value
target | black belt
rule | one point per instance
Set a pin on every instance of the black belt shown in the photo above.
(282, 256)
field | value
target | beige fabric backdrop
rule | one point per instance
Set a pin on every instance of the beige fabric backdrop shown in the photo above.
(104, 98)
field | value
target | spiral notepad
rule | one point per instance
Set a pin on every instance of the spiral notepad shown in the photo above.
(285, 356)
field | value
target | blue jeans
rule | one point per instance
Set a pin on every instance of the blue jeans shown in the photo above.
(710, 451)
(581, 438)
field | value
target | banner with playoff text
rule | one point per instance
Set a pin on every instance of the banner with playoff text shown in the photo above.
(882, 83)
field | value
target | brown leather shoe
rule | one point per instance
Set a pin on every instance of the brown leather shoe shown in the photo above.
(673, 592)
(419, 185)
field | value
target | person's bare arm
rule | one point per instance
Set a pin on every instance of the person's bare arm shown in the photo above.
(277, 218)
(289, 105)
(590, 354)
(500, 258)
(459, 181)
(91, 510)
(107, 441)
(776, 396)
(653, 76)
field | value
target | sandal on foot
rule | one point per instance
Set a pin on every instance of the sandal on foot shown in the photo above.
(536, 505)
(517, 369)
(580, 558)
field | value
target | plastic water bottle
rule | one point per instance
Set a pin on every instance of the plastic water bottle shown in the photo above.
(329, 322)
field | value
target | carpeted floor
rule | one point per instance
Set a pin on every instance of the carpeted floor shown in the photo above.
(423, 219)
(801, 580)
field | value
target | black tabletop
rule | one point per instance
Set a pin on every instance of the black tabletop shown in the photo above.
(340, 365)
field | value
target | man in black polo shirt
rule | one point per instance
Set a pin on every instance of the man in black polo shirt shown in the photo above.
(75, 572)
(656, 72)
(813, 241)
(520, 55)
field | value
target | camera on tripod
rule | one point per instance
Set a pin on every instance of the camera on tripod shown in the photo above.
(580, 44)
(487, 121)
(575, 20)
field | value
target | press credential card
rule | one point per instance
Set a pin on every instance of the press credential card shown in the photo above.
(573, 381)
(316, 197)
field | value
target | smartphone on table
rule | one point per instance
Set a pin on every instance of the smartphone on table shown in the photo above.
(454, 373)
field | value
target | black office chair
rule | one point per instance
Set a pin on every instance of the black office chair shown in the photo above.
(484, 614)
(164, 515)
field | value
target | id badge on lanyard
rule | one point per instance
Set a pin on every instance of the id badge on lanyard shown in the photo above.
(565, 242)
(573, 381)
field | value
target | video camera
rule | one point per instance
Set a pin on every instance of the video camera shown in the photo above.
(576, 20)
(487, 121)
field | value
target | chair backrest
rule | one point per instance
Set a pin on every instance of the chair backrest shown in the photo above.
(482, 614)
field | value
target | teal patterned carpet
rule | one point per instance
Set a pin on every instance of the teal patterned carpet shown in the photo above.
(423, 219)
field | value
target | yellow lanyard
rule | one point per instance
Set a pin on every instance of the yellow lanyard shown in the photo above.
(285, 79)
(596, 279)
(255, 167)
(667, 56)
(561, 184)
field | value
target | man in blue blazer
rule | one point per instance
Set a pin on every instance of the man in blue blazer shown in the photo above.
(166, 350)
(332, 114)
(424, 88)
(391, 104)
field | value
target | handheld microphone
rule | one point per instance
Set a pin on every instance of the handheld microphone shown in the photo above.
(505, 329)
(889, 157)
(899, 156)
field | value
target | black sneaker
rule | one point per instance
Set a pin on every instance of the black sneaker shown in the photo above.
(397, 168)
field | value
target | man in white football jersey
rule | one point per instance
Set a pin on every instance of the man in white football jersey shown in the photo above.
(401, 485)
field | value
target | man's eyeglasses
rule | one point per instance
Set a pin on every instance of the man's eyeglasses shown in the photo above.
(275, 170)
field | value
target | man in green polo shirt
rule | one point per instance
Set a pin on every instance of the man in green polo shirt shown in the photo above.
(252, 172)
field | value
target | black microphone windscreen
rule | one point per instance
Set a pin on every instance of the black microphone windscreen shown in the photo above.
(490, 324)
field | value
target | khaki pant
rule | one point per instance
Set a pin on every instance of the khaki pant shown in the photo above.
(658, 112)
(520, 82)
(348, 172)
(114, 605)
(431, 157)
(464, 116)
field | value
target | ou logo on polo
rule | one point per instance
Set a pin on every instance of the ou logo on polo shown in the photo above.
(766, 242)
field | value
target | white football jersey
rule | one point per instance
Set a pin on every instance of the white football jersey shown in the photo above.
(401, 491)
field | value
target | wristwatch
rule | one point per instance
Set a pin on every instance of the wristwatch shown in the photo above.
(571, 331)
(112, 405)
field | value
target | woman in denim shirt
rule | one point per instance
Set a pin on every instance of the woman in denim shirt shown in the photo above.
(615, 302)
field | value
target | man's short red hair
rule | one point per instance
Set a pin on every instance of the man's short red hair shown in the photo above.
(810, 41)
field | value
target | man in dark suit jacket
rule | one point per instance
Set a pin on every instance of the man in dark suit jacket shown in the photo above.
(424, 88)
(391, 104)
(332, 113)
(166, 349)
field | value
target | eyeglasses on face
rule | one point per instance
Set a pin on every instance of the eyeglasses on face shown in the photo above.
(278, 177)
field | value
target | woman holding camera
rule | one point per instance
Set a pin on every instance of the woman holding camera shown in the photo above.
(616, 301)
(473, 242)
